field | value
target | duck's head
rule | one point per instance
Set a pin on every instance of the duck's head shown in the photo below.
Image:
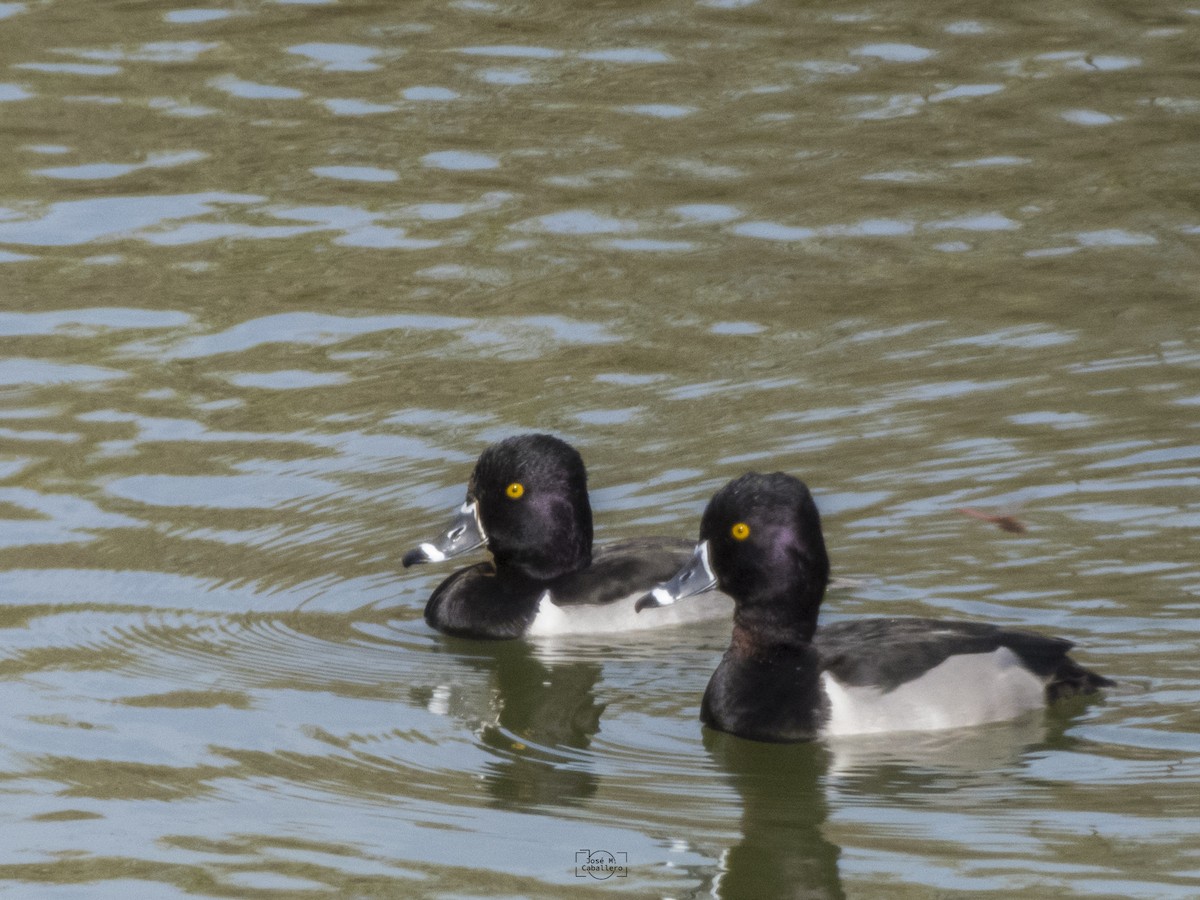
(527, 500)
(760, 543)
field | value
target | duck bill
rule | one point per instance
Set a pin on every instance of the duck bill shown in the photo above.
(464, 535)
(695, 577)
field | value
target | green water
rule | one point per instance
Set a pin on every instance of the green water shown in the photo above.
(273, 274)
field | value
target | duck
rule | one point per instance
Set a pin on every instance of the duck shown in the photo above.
(784, 680)
(527, 504)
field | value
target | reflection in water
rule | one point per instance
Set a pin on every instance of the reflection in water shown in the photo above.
(786, 791)
(782, 852)
(872, 763)
(536, 719)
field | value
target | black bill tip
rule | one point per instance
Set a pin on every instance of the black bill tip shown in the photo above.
(414, 557)
(648, 601)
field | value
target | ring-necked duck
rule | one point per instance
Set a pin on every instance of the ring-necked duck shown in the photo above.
(527, 500)
(782, 680)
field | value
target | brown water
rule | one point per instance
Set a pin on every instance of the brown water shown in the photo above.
(272, 274)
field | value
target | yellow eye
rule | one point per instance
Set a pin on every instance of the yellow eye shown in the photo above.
(740, 531)
(515, 490)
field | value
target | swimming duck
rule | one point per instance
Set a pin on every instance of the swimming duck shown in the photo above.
(782, 680)
(527, 501)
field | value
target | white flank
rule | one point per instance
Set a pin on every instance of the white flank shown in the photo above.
(964, 690)
(550, 618)
(620, 615)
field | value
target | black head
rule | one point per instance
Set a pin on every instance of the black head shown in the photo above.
(767, 551)
(533, 505)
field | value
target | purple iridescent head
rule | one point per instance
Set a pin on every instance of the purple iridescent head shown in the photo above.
(764, 540)
(532, 500)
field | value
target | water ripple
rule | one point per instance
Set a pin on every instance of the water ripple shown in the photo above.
(87, 322)
(460, 161)
(73, 222)
(154, 52)
(339, 57)
(253, 90)
(89, 69)
(315, 329)
(11, 93)
(97, 171)
(196, 16)
(17, 371)
(513, 51)
(894, 52)
(219, 491)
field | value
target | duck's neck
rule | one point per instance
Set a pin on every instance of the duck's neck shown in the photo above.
(789, 618)
(571, 555)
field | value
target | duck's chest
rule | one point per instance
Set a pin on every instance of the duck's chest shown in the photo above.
(767, 694)
(475, 603)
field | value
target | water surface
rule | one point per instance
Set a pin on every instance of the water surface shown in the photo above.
(273, 274)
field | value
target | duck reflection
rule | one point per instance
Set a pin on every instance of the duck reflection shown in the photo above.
(783, 851)
(786, 790)
(887, 764)
(534, 717)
